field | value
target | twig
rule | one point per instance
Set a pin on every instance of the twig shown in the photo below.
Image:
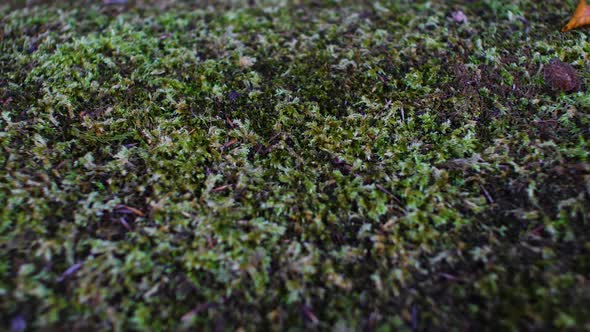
(133, 210)
(230, 143)
(221, 188)
(487, 194)
(71, 270)
(125, 224)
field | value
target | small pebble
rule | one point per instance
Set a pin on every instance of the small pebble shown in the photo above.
(246, 61)
(459, 17)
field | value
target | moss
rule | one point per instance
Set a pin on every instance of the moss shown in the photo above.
(303, 165)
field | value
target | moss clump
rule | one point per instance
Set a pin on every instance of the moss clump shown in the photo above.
(171, 165)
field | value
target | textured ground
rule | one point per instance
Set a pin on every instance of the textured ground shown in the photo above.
(326, 165)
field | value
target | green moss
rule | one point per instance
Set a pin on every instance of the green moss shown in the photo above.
(169, 165)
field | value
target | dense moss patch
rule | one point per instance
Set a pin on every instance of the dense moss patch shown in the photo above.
(305, 165)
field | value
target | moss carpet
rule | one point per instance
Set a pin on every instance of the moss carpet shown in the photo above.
(293, 165)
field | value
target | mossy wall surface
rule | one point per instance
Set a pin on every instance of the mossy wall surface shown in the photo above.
(303, 165)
